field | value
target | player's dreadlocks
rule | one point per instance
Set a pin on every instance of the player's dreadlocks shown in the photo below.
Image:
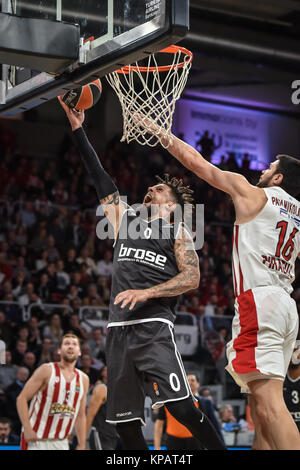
(182, 193)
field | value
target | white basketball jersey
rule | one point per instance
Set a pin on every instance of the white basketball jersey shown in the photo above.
(265, 249)
(53, 411)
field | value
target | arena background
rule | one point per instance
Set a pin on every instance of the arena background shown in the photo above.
(240, 108)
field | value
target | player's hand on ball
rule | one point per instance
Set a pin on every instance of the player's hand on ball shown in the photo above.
(76, 118)
(132, 297)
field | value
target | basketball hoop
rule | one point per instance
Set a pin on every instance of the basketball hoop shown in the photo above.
(148, 95)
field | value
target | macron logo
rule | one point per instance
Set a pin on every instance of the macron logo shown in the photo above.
(142, 256)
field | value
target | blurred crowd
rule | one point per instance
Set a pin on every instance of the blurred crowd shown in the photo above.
(50, 254)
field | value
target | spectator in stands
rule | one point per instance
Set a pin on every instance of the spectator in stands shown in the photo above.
(29, 296)
(93, 297)
(63, 278)
(71, 263)
(103, 289)
(76, 328)
(56, 355)
(105, 265)
(18, 284)
(97, 343)
(6, 332)
(44, 353)
(43, 290)
(12, 392)
(75, 233)
(34, 339)
(42, 262)
(28, 214)
(54, 329)
(229, 421)
(85, 258)
(29, 361)
(53, 253)
(6, 435)
(96, 363)
(87, 368)
(39, 243)
(19, 351)
(8, 371)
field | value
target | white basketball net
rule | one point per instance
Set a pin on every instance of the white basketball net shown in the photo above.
(148, 96)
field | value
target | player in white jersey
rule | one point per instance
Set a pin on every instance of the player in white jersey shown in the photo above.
(266, 244)
(58, 398)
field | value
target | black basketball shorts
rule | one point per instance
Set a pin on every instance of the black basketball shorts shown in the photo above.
(142, 359)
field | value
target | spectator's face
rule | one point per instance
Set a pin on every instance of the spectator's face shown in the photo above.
(4, 430)
(55, 321)
(2, 318)
(7, 357)
(47, 344)
(33, 322)
(21, 347)
(23, 333)
(29, 289)
(227, 414)
(22, 374)
(194, 384)
(29, 359)
(86, 360)
(97, 335)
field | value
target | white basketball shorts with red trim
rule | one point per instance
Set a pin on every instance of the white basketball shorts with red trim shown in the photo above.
(264, 331)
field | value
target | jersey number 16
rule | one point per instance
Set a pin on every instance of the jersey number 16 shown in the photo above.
(285, 251)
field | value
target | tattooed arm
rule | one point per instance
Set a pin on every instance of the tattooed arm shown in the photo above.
(187, 278)
(188, 265)
(113, 209)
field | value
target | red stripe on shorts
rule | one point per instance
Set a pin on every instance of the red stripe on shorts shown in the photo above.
(246, 341)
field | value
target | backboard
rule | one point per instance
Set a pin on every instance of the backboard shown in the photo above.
(113, 33)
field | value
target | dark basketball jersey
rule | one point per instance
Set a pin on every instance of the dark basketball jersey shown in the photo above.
(142, 262)
(291, 393)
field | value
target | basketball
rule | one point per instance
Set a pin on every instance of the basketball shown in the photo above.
(84, 97)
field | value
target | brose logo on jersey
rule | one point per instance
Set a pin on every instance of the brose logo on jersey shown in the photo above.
(142, 256)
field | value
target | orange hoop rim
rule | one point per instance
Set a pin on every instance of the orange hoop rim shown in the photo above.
(164, 68)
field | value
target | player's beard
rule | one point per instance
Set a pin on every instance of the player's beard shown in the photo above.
(265, 182)
(69, 359)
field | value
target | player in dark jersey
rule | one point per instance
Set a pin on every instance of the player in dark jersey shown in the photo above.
(149, 271)
(291, 388)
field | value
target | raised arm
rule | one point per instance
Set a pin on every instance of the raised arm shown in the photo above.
(248, 199)
(105, 187)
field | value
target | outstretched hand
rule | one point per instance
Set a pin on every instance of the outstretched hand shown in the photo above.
(76, 118)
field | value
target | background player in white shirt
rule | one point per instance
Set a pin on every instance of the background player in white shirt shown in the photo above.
(266, 245)
(58, 398)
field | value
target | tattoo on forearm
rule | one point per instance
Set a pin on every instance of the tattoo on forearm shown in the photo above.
(111, 199)
(188, 265)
